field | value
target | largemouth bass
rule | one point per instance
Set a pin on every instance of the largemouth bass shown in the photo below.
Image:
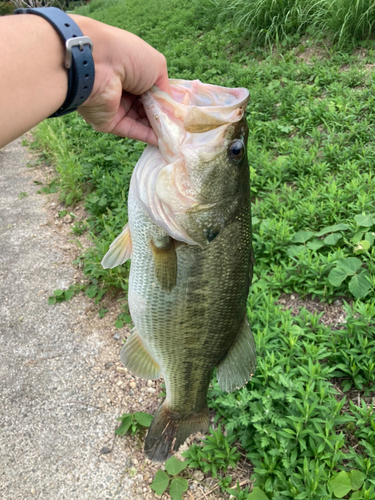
(189, 238)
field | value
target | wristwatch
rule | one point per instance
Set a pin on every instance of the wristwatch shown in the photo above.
(78, 58)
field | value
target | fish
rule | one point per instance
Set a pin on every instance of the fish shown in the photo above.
(189, 239)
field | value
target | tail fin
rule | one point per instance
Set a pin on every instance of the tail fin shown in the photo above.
(169, 430)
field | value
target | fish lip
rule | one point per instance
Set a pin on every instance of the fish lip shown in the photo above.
(193, 118)
(147, 96)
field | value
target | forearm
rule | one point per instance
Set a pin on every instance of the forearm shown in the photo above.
(33, 79)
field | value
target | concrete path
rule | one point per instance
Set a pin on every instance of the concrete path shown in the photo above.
(54, 422)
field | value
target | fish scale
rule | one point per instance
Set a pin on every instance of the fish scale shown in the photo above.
(191, 262)
(203, 313)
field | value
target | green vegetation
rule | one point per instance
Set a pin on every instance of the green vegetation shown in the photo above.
(296, 426)
(6, 8)
(344, 482)
(269, 21)
(62, 295)
(171, 480)
(134, 423)
(305, 420)
(49, 189)
(215, 453)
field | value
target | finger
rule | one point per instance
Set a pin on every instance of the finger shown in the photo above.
(133, 129)
(139, 108)
(138, 114)
(136, 105)
(163, 80)
(131, 103)
(136, 118)
(163, 84)
(133, 115)
(128, 100)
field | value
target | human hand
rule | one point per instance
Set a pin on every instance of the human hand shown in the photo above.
(125, 68)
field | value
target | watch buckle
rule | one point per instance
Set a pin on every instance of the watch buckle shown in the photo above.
(78, 41)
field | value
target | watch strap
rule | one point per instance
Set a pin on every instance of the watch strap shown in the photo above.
(78, 60)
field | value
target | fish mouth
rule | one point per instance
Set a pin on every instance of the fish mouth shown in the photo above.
(193, 108)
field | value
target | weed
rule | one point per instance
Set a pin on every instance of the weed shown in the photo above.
(215, 454)
(123, 319)
(49, 189)
(102, 312)
(171, 480)
(95, 291)
(270, 21)
(342, 483)
(79, 227)
(62, 295)
(133, 423)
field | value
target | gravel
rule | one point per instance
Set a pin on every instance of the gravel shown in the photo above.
(56, 429)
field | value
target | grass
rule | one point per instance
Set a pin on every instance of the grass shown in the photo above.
(269, 21)
(305, 420)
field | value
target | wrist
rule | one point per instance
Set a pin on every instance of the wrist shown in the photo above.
(98, 32)
(86, 24)
(108, 73)
(78, 56)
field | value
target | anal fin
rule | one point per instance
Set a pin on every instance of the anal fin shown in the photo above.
(239, 364)
(165, 262)
(137, 360)
(119, 251)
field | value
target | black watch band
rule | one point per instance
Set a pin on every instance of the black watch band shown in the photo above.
(78, 58)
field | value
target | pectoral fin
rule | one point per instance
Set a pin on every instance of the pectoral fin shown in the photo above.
(165, 262)
(119, 251)
(239, 364)
(137, 360)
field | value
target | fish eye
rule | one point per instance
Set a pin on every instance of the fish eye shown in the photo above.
(236, 150)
